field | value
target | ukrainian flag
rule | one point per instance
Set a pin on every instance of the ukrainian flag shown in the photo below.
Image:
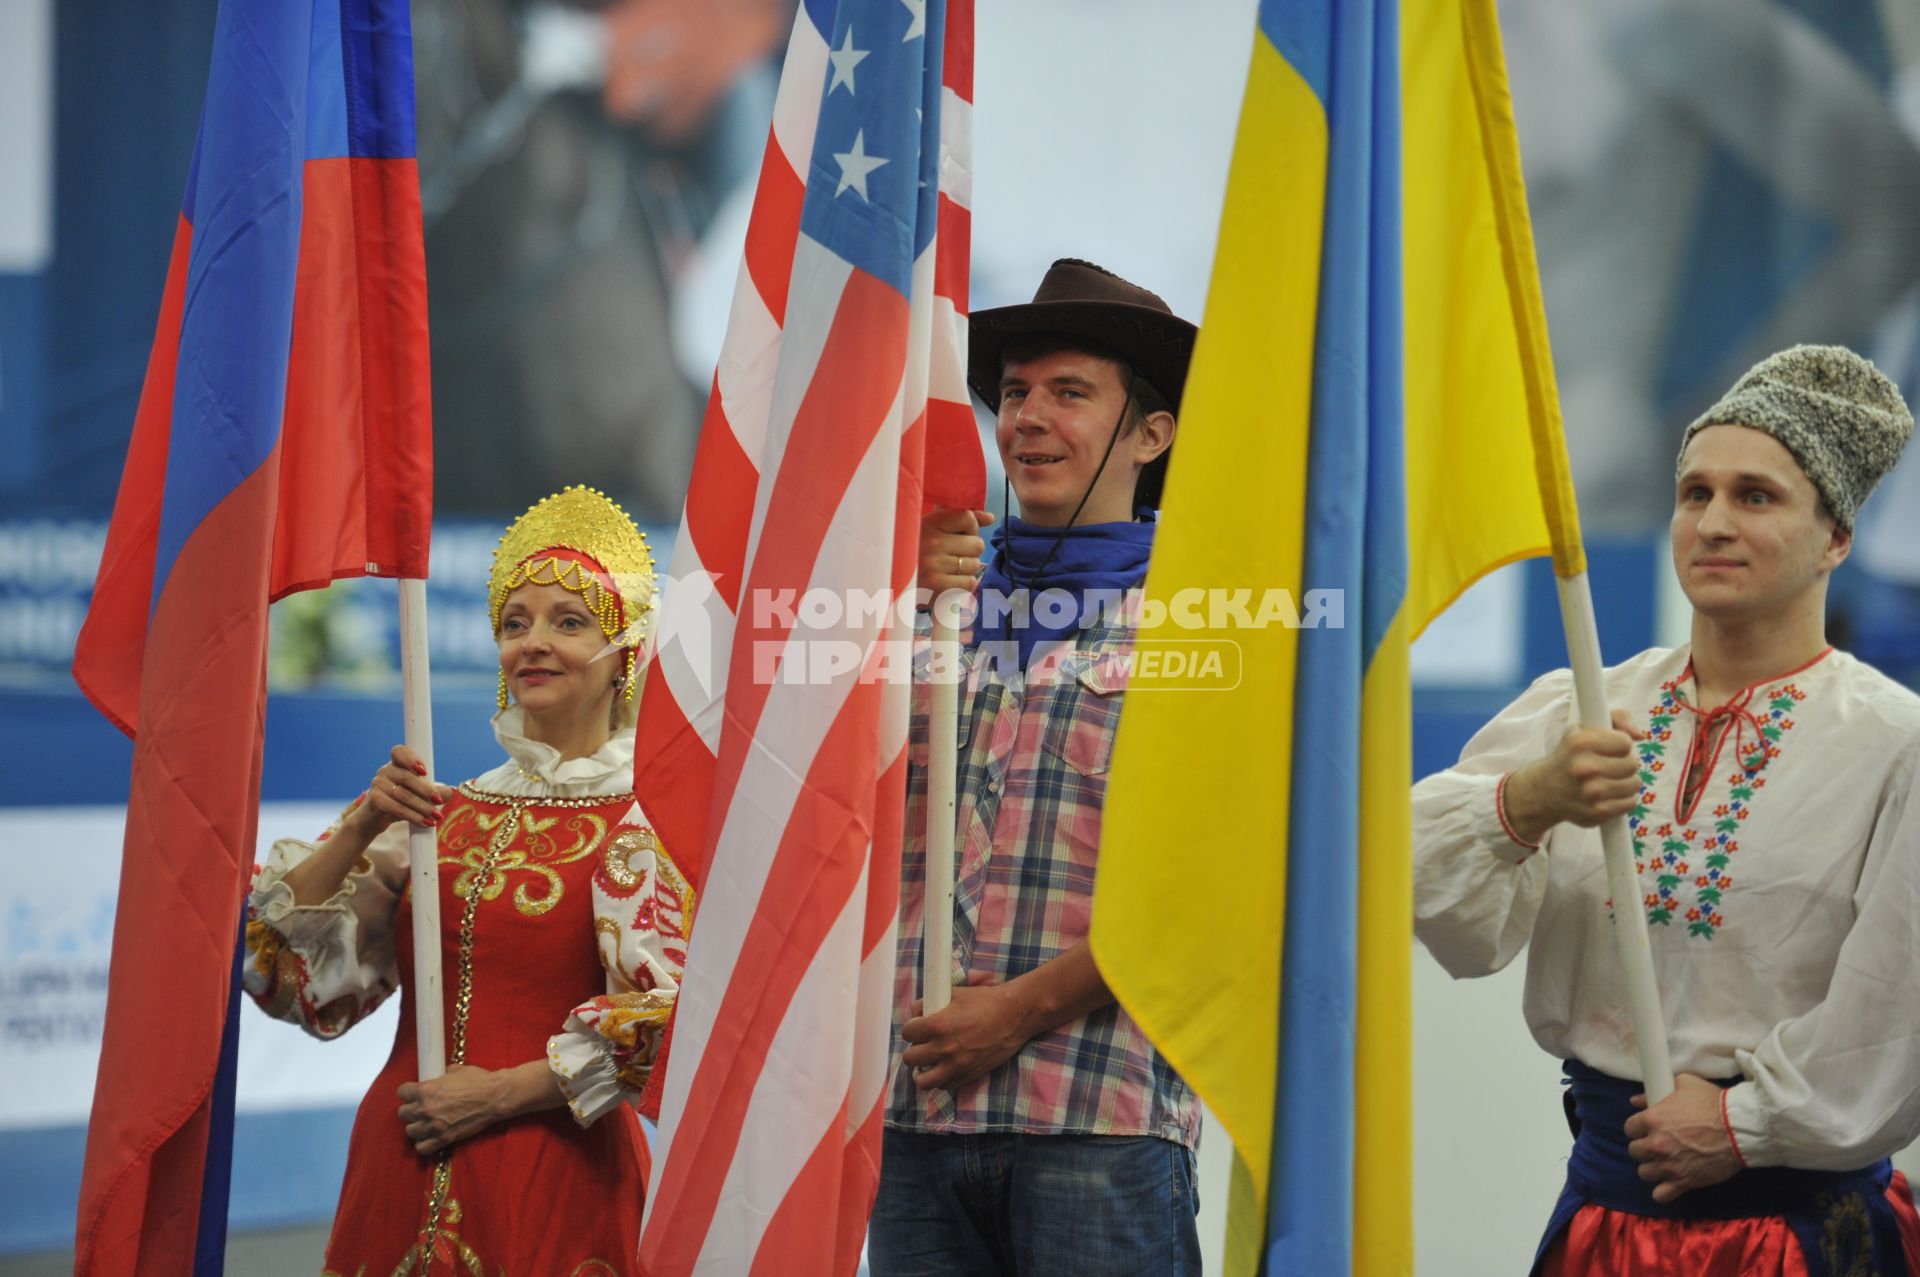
(1372, 374)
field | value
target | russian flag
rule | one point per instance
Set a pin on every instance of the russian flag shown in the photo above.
(283, 440)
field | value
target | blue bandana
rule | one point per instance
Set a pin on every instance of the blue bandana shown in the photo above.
(1109, 557)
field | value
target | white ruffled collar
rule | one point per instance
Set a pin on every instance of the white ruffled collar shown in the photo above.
(538, 769)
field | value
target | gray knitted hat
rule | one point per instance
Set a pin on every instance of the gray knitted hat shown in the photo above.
(1839, 416)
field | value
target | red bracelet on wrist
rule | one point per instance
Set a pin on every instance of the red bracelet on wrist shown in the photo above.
(1500, 810)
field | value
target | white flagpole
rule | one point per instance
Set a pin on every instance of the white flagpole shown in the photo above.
(1623, 881)
(943, 761)
(423, 842)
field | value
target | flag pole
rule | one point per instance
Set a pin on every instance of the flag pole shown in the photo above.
(1623, 879)
(1487, 68)
(423, 842)
(943, 760)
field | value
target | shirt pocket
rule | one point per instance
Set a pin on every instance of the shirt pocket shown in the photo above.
(1083, 716)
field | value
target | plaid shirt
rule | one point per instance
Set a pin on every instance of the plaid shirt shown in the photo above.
(1033, 778)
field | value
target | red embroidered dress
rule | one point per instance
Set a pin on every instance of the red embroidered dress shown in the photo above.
(557, 912)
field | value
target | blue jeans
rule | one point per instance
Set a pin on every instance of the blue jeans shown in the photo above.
(1034, 1206)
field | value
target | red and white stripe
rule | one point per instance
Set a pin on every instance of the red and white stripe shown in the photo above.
(839, 411)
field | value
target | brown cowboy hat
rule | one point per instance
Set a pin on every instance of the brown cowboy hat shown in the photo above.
(1079, 299)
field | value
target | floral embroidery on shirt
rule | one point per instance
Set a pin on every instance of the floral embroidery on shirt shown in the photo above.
(1691, 861)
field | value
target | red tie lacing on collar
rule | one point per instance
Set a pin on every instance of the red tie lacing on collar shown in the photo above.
(1712, 730)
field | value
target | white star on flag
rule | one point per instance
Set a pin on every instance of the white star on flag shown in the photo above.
(855, 165)
(845, 59)
(918, 8)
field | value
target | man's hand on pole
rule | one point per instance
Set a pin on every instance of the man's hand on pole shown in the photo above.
(951, 548)
(977, 1032)
(985, 1025)
(1588, 780)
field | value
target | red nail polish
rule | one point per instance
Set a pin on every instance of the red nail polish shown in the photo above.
(420, 768)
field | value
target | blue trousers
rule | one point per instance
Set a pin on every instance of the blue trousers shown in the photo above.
(1034, 1206)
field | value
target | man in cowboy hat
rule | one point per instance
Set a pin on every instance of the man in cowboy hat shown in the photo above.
(1031, 1126)
(1768, 783)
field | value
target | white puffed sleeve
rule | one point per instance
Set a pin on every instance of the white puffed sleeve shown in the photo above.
(327, 966)
(1477, 890)
(643, 909)
(1836, 1088)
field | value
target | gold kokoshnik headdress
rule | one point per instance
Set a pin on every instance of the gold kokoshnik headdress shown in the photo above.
(579, 540)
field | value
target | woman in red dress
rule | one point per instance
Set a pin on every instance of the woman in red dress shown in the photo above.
(563, 937)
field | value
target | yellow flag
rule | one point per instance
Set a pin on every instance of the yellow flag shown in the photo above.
(1370, 425)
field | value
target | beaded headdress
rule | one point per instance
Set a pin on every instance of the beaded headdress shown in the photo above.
(579, 540)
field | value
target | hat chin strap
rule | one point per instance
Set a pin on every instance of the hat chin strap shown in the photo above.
(1126, 402)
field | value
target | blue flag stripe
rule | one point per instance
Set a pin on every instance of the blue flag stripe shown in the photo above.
(1387, 569)
(1355, 542)
(376, 78)
(237, 322)
(326, 92)
(1303, 31)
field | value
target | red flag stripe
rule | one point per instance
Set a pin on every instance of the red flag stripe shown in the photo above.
(723, 469)
(957, 73)
(395, 382)
(950, 277)
(190, 838)
(773, 224)
(117, 636)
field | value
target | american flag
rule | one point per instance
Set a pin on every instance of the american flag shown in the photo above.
(771, 764)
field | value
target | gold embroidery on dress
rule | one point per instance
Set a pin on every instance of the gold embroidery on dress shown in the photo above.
(578, 837)
(594, 1268)
(670, 874)
(416, 1261)
(626, 1023)
(268, 951)
(482, 874)
(503, 828)
(605, 926)
(586, 830)
(1846, 1236)
(620, 852)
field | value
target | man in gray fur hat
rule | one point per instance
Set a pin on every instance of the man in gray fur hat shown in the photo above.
(1766, 780)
